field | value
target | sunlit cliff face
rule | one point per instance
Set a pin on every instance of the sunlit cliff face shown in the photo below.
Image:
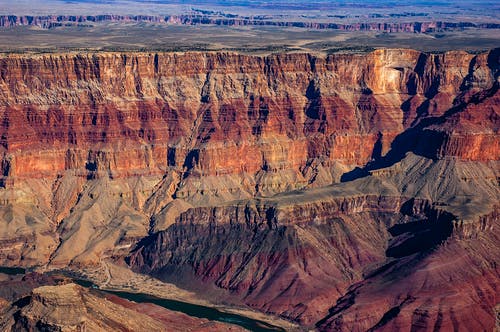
(286, 181)
(227, 112)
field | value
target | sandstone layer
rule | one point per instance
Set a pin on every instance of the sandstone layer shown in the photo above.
(302, 186)
(224, 114)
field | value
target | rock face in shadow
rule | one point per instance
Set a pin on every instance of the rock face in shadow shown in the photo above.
(301, 186)
(427, 292)
(291, 260)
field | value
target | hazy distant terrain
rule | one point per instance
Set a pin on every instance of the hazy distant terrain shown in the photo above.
(320, 11)
(245, 26)
(480, 9)
(155, 37)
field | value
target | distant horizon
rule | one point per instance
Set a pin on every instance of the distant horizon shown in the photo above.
(483, 10)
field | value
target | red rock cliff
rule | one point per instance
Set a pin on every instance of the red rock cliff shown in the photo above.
(102, 150)
(221, 113)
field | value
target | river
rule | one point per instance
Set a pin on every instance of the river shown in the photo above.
(190, 309)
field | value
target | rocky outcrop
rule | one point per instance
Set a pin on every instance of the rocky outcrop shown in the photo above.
(459, 277)
(292, 254)
(70, 307)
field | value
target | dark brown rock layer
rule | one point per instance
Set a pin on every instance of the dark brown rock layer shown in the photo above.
(289, 260)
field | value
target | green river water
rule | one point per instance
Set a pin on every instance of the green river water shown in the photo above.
(190, 309)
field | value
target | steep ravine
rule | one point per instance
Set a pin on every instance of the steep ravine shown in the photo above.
(348, 192)
(293, 260)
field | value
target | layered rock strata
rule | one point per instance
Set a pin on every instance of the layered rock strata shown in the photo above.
(292, 254)
(292, 183)
(49, 22)
(215, 114)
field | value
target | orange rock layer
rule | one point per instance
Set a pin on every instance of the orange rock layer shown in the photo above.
(223, 113)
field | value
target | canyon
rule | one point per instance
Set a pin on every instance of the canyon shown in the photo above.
(346, 192)
(70, 307)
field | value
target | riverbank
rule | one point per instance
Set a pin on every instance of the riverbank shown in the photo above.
(122, 279)
(144, 289)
